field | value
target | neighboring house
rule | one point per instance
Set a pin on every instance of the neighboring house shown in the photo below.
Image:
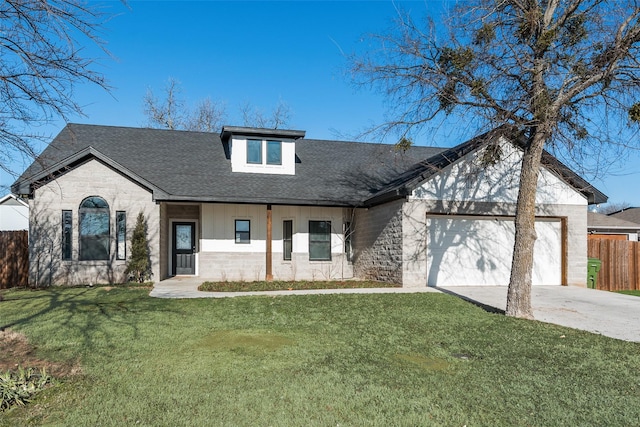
(612, 228)
(14, 213)
(251, 204)
(627, 214)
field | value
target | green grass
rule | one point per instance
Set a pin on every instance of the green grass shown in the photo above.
(316, 360)
(280, 285)
(634, 293)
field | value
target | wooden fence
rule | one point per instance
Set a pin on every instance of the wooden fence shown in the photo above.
(620, 269)
(14, 259)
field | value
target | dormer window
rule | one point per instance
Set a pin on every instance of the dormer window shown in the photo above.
(256, 150)
(273, 152)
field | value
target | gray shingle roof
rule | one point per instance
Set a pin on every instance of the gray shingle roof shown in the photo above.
(596, 220)
(628, 214)
(182, 165)
(194, 166)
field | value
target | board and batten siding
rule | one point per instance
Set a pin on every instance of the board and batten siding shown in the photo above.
(66, 192)
(221, 258)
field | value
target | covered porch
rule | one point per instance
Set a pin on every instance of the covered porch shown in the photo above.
(249, 242)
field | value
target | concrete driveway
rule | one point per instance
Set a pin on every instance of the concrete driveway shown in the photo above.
(607, 313)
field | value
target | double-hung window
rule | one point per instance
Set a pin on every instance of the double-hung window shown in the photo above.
(121, 235)
(243, 231)
(320, 240)
(348, 232)
(287, 239)
(67, 234)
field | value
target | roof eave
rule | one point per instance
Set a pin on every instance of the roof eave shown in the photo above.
(255, 201)
(228, 131)
(25, 186)
(386, 197)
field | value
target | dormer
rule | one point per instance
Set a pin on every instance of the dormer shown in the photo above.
(256, 150)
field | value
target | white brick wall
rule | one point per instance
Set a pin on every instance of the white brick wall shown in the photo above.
(66, 193)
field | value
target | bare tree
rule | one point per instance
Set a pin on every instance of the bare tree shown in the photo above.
(609, 208)
(562, 73)
(172, 112)
(277, 119)
(208, 116)
(41, 45)
(167, 113)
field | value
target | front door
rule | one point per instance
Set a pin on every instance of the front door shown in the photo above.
(184, 248)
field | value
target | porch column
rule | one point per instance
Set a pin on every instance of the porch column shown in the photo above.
(269, 276)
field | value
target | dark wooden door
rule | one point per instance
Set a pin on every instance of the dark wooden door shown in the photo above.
(184, 248)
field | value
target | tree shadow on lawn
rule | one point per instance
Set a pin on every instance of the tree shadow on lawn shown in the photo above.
(98, 318)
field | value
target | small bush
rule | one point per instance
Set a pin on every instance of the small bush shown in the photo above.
(17, 388)
(139, 265)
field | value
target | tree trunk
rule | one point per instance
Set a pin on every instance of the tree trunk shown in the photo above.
(519, 292)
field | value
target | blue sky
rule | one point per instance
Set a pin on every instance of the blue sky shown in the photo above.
(260, 53)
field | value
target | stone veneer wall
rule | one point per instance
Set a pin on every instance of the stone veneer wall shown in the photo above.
(377, 243)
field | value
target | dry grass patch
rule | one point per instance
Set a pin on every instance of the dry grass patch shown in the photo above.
(16, 351)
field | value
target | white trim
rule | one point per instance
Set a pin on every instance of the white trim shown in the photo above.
(14, 197)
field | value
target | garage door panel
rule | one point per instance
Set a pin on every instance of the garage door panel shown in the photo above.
(472, 251)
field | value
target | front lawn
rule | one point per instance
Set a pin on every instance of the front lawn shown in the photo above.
(634, 293)
(313, 360)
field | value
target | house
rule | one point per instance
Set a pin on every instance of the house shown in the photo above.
(611, 228)
(249, 204)
(631, 214)
(14, 213)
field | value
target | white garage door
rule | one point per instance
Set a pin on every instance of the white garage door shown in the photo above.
(472, 251)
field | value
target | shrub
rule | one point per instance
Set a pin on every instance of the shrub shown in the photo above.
(139, 266)
(17, 388)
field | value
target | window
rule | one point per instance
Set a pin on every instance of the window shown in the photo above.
(67, 234)
(348, 232)
(121, 235)
(254, 151)
(320, 240)
(243, 231)
(94, 229)
(274, 152)
(287, 239)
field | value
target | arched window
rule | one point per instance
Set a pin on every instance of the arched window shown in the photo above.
(94, 229)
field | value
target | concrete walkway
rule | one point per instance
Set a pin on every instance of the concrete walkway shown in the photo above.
(607, 313)
(187, 287)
